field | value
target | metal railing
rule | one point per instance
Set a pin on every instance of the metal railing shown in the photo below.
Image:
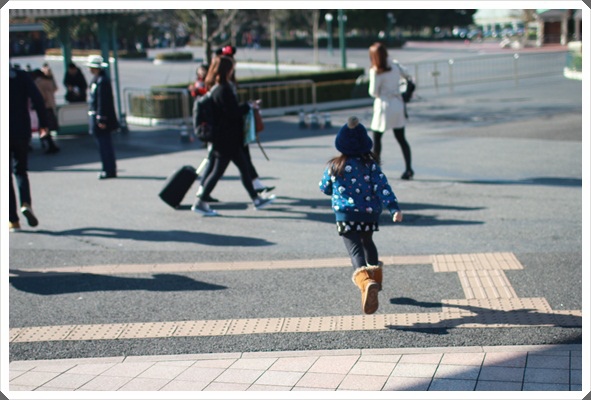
(172, 107)
(452, 72)
(284, 94)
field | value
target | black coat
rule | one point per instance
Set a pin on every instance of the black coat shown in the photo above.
(77, 81)
(101, 104)
(228, 117)
(22, 88)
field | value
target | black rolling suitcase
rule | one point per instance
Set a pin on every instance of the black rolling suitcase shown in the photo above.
(177, 185)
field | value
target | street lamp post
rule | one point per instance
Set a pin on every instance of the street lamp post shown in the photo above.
(328, 19)
(342, 20)
(391, 22)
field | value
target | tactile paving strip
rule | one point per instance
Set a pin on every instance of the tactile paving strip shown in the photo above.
(490, 302)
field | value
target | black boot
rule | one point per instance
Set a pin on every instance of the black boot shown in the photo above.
(49, 145)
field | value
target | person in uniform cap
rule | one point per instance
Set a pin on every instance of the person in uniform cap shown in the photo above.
(102, 118)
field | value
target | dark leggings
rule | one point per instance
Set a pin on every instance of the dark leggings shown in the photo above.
(401, 138)
(218, 165)
(361, 248)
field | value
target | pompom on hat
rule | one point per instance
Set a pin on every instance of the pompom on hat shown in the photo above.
(353, 139)
(96, 62)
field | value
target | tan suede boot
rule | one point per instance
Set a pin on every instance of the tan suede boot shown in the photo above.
(376, 273)
(362, 277)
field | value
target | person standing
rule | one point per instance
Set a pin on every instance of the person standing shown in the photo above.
(388, 106)
(359, 190)
(47, 87)
(228, 140)
(75, 84)
(22, 90)
(102, 117)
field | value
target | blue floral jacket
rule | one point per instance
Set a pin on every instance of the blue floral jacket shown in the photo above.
(358, 195)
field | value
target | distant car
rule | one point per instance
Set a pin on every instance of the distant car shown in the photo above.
(475, 33)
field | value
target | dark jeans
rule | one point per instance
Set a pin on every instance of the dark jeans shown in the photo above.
(217, 166)
(400, 138)
(361, 248)
(19, 164)
(106, 151)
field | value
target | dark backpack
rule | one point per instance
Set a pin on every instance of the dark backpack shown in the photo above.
(203, 123)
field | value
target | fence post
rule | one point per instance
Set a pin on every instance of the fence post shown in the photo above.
(451, 78)
(435, 74)
(516, 69)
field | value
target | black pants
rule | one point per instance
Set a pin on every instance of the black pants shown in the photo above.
(401, 138)
(19, 165)
(361, 248)
(217, 166)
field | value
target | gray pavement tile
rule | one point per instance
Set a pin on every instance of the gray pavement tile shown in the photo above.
(505, 359)
(401, 383)
(548, 361)
(457, 372)
(546, 387)
(576, 362)
(452, 385)
(509, 374)
(421, 358)
(497, 386)
(576, 377)
(268, 388)
(546, 375)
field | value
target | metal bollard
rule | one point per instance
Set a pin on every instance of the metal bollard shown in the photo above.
(302, 124)
(327, 121)
(314, 123)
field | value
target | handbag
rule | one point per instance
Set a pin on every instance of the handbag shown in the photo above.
(258, 120)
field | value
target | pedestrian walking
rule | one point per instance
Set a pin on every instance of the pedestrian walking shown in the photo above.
(102, 117)
(228, 139)
(47, 87)
(22, 91)
(230, 51)
(359, 190)
(388, 106)
(75, 84)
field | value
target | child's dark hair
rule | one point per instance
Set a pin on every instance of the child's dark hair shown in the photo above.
(336, 165)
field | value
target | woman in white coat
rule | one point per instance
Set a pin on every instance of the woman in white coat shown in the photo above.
(388, 106)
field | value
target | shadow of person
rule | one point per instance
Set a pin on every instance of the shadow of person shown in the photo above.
(473, 316)
(61, 283)
(206, 238)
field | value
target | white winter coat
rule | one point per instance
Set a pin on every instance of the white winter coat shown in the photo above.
(388, 106)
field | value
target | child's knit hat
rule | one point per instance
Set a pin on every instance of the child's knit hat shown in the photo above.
(353, 139)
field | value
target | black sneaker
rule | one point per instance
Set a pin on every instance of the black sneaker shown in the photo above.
(28, 213)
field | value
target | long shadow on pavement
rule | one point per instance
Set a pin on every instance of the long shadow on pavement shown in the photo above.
(62, 283)
(210, 239)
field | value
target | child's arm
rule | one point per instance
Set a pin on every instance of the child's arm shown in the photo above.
(326, 183)
(385, 192)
